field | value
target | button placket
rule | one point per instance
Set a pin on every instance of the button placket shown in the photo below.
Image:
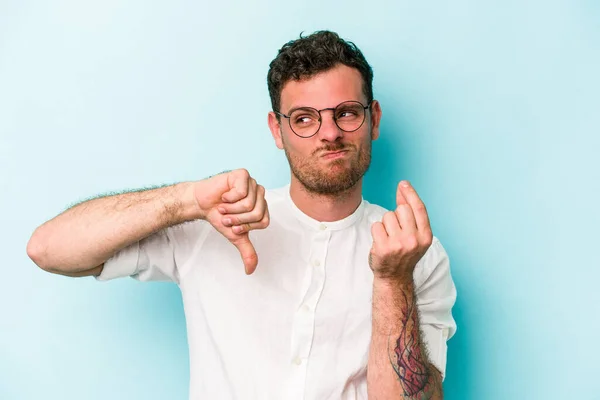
(304, 318)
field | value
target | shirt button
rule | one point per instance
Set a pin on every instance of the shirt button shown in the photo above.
(297, 361)
(322, 227)
(316, 263)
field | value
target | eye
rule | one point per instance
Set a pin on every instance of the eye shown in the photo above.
(303, 119)
(347, 113)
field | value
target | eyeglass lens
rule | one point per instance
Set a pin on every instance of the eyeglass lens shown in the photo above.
(348, 116)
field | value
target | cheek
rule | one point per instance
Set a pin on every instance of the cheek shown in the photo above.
(362, 142)
(299, 146)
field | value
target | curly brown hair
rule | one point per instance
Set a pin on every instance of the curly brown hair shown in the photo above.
(307, 56)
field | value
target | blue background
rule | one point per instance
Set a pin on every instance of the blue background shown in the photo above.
(491, 109)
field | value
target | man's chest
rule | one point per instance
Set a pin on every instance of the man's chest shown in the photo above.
(315, 287)
(304, 312)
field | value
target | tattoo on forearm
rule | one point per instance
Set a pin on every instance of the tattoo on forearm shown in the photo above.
(408, 356)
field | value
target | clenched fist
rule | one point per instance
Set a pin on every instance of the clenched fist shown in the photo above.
(234, 204)
(402, 238)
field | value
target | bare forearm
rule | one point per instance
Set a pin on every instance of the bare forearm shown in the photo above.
(398, 364)
(86, 235)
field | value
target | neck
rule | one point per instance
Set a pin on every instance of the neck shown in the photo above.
(326, 208)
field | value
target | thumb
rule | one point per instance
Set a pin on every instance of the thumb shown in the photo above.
(247, 251)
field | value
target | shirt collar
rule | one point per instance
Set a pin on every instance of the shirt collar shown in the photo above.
(323, 226)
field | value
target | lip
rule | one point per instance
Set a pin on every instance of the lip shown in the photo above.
(330, 155)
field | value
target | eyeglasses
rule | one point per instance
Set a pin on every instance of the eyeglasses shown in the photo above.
(306, 121)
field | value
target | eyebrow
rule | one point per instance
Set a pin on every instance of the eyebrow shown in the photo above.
(313, 108)
(299, 108)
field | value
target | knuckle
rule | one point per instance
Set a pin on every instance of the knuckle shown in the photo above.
(427, 232)
(420, 207)
(261, 205)
(411, 243)
(400, 207)
(256, 215)
(240, 192)
(428, 238)
(262, 214)
(247, 204)
(389, 216)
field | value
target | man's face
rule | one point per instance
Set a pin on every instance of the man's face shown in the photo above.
(318, 172)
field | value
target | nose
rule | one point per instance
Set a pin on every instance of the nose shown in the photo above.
(329, 131)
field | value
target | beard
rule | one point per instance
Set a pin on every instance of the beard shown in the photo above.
(334, 177)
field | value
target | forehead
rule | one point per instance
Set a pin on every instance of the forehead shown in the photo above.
(325, 89)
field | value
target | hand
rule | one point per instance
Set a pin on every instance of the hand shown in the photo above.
(401, 239)
(234, 204)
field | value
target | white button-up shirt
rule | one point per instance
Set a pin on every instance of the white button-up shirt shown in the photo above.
(300, 326)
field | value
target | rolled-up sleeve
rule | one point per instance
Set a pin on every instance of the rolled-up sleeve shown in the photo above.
(123, 263)
(436, 295)
(157, 257)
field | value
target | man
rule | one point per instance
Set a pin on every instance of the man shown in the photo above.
(340, 299)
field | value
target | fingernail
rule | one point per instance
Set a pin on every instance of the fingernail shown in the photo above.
(227, 221)
(404, 183)
(237, 229)
(222, 210)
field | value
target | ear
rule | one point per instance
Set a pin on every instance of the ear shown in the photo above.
(275, 128)
(375, 119)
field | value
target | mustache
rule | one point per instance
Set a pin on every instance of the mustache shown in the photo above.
(333, 147)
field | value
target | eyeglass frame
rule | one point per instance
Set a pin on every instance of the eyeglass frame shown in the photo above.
(368, 106)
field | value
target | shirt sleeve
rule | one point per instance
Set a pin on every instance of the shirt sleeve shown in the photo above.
(436, 295)
(159, 257)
